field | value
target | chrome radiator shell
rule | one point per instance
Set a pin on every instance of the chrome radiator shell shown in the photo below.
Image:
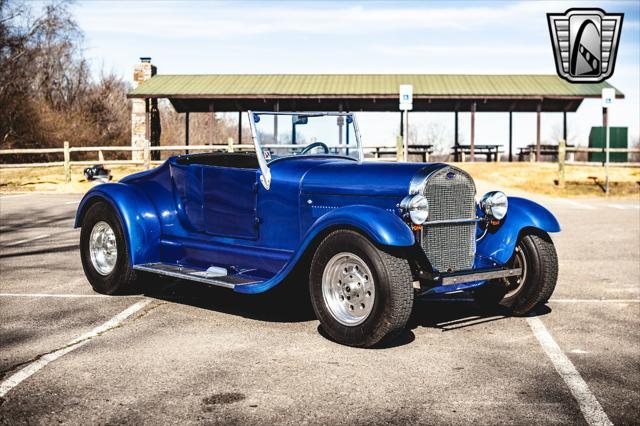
(449, 246)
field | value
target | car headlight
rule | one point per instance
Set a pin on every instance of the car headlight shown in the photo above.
(495, 204)
(417, 207)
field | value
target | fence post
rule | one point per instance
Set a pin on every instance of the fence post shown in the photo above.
(399, 149)
(230, 144)
(562, 153)
(100, 156)
(67, 163)
(147, 155)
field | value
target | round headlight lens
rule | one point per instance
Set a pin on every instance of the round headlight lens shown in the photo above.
(417, 207)
(495, 204)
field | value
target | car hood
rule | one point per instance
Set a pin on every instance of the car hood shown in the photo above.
(367, 178)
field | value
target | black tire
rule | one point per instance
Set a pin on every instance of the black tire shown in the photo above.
(122, 279)
(538, 286)
(393, 291)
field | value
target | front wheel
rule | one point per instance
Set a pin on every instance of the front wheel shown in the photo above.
(362, 295)
(104, 252)
(536, 256)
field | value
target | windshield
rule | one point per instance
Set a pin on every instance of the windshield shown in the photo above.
(292, 134)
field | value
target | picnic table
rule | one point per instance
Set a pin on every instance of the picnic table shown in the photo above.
(491, 151)
(545, 149)
(423, 150)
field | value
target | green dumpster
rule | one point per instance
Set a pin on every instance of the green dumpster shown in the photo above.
(617, 139)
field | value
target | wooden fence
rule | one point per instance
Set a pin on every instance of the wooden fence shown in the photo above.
(146, 161)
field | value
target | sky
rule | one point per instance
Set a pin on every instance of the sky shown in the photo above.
(364, 37)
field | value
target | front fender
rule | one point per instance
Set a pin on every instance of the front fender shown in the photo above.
(500, 243)
(138, 217)
(380, 225)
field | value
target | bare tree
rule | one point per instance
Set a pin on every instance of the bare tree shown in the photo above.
(47, 92)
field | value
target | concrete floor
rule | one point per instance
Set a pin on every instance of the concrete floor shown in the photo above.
(196, 354)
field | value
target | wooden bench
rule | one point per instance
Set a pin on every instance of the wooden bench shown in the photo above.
(423, 150)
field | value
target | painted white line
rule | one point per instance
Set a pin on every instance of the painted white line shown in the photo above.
(623, 206)
(32, 368)
(589, 405)
(70, 296)
(595, 300)
(576, 204)
(616, 206)
(72, 202)
(28, 240)
(3, 197)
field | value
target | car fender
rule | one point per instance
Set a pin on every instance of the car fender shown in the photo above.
(500, 243)
(137, 215)
(379, 225)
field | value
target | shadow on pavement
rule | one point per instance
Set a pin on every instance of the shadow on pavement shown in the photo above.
(285, 303)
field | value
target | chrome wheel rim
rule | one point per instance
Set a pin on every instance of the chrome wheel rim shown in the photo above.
(515, 284)
(348, 289)
(103, 248)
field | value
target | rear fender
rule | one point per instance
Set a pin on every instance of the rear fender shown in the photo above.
(137, 214)
(499, 244)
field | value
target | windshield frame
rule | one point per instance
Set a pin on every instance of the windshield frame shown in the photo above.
(265, 177)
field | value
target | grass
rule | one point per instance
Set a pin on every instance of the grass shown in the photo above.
(541, 178)
(533, 177)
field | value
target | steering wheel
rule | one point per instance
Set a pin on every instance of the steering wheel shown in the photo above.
(315, 145)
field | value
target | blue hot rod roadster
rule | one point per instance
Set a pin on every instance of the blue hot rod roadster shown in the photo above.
(369, 237)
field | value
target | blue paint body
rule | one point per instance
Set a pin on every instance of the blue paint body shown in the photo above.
(199, 215)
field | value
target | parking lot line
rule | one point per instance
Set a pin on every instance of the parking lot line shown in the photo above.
(35, 366)
(624, 206)
(28, 240)
(576, 204)
(71, 296)
(589, 405)
(594, 300)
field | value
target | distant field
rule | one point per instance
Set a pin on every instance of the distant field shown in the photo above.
(541, 178)
(533, 177)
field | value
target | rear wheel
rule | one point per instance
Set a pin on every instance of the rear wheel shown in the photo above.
(536, 256)
(362, 295)
(104, 252)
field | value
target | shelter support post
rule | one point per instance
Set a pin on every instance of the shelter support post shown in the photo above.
(510, 136)
(186, 130)
(456, 141)
(212, 124)
(472, 147)
(276, 108)
(239, 127)
(538, 116)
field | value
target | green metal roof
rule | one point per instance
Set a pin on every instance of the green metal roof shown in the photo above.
(362, 85)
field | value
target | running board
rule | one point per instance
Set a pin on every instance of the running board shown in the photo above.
(185, 273)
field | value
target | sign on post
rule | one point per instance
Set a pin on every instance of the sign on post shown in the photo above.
(608, 96)
(406, 104)
(406, 97)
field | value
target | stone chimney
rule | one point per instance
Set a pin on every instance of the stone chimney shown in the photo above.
(145, 117)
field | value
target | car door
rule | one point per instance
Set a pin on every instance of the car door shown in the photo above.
(229, 201)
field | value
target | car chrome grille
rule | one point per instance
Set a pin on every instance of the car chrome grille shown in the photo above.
(451, 195)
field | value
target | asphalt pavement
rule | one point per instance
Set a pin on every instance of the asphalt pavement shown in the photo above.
(191, 354)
